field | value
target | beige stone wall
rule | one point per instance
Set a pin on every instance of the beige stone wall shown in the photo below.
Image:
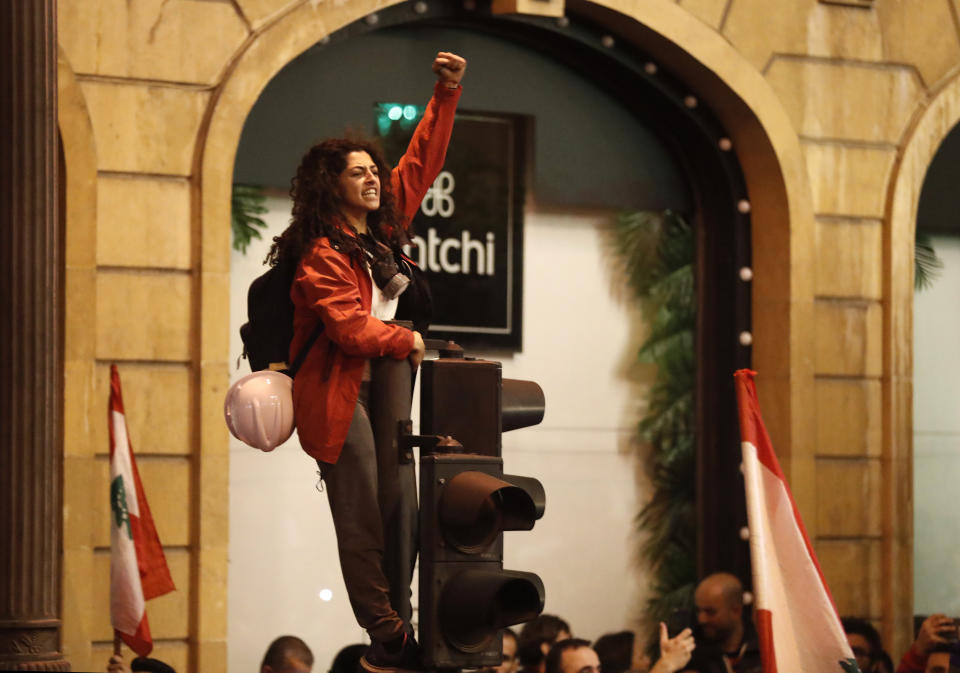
(854, 82)
(135, 82)
(834, 111)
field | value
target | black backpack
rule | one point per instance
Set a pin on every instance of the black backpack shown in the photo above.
(268, 331)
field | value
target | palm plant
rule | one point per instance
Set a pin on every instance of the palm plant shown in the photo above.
(246, 203)
(656, 251)
(926, 264)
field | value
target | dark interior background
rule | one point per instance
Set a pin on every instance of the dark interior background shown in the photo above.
(587, 149)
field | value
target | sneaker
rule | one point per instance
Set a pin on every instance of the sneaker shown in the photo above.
(407, 659)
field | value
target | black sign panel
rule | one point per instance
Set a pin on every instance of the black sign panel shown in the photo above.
(469, 229)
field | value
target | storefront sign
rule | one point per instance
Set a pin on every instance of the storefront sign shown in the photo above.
(469, 230)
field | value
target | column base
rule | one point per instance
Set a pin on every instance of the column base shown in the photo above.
(31, 645)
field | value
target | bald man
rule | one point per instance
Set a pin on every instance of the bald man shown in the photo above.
(725, 641)
(287, 654)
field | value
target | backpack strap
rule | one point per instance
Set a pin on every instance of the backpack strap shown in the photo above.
(302, 355)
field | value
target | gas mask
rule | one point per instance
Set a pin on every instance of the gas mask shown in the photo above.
(383, 268)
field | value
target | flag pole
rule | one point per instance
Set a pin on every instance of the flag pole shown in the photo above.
(116, 643)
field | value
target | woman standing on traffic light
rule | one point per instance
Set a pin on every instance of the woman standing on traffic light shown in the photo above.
(350, 217)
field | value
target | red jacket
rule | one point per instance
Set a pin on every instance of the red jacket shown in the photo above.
(912, 662)
(332, 286)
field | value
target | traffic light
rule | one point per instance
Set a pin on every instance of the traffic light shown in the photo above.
(466, 502)
(470, 401)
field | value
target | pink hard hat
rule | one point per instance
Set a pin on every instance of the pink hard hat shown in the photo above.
(259, 409)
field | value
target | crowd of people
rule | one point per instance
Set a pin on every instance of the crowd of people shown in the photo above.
(930, 652)
(286, 654)
(715, 636)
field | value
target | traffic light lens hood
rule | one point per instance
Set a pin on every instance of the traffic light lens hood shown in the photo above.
(475, 507)
(475, 604)
(522, 404)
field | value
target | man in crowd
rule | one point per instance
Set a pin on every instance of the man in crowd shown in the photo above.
(347, 660)
(287, 654)
(117, 664)
(725, 640)
(572, 655)
(510, 662)
(938, 661)
(621, 652)
(864, 641)
(536, 638)
(935, 635)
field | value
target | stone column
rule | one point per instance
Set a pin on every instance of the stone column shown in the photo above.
(31, 338)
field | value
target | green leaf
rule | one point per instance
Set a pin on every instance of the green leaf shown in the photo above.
(656, 253)
(926, 265)
(850, 666)
(247, 201)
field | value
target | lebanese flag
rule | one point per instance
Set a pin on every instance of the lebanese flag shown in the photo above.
(796, 619)
(138, 568)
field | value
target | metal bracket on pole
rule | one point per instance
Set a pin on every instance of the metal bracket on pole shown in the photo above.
(429, 444)
(447, 349)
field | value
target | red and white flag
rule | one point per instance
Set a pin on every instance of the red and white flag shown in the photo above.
(138, 568)
(797, 622)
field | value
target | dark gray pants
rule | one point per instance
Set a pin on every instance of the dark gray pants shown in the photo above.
(373, 499)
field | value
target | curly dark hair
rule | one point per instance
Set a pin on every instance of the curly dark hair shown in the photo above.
(315, 191)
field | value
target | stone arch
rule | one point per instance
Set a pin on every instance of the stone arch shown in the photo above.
(767, 147)
(783, 242)
(935, 119)
(763, 136)
(80, 212)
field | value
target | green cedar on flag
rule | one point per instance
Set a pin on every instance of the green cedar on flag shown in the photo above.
(138, 568)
